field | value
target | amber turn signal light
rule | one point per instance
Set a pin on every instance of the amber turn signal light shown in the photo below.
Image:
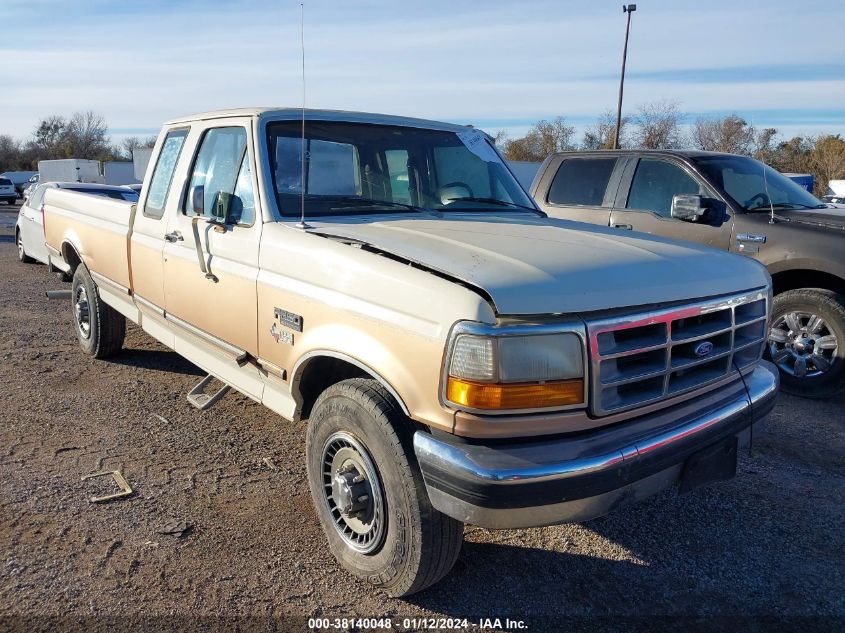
(480, 395)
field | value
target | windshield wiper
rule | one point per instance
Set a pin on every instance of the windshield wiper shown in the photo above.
(368, 202)
(765, 207)
(501, 203)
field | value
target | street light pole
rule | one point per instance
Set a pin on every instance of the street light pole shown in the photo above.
(629, 9)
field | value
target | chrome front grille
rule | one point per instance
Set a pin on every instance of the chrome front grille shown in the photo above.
(646, 357)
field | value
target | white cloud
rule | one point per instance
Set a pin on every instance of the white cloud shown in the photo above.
(453, 60)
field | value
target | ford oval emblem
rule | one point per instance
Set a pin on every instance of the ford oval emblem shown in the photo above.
(703, 349)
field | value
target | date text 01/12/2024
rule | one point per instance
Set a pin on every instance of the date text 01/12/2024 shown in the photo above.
(416, 624)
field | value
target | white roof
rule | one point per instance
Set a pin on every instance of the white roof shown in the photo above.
(320, 115)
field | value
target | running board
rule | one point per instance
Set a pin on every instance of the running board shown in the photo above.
(200, 399)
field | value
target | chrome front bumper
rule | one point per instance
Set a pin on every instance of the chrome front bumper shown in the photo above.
(579, 477)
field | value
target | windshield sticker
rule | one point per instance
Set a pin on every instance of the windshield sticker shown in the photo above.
(476, 142)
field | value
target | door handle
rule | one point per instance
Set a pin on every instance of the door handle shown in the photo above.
(749, 242)
(175, 236)
(628, 227)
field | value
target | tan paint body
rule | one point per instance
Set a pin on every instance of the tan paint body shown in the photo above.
(384, 316)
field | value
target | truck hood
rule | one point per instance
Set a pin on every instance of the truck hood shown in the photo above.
(830, 217)
(532, 265)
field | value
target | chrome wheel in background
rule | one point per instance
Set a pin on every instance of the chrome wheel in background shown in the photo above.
(802, 344)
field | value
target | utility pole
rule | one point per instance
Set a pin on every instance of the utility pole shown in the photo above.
(629, 9)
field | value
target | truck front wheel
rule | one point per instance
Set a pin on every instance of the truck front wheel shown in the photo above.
(99, 327)
(807, 342)
(369, 493)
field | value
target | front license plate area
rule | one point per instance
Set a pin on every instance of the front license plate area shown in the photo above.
(715, 463)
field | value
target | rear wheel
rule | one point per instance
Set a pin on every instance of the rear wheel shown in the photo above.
(22, 256)
(99, 327)
(369, 493)
(807, 342)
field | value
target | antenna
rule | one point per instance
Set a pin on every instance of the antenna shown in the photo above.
(302, 224)
(765, 181)
(766, 187)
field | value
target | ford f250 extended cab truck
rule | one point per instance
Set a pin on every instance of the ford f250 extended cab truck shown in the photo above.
(459, 357)
(734, 203)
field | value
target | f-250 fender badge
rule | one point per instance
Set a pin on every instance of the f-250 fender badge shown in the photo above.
(288, 319)
(281, 336)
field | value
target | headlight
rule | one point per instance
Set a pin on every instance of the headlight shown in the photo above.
(506, 371)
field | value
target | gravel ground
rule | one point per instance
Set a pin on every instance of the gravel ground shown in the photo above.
(763, 548)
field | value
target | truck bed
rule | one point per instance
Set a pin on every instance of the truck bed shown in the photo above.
(73, 220)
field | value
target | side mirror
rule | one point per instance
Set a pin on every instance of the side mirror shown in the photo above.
(222, 210)
(690, 208)
(198, 200)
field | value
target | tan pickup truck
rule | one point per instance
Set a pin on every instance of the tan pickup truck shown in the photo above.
(459, 357)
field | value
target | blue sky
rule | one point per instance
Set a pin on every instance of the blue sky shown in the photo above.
(499, 65)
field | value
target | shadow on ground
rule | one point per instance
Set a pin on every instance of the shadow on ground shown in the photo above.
(695, 554)
(161, 360)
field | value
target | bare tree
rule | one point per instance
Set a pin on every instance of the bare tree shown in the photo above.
(601, 134)
(10, 154)
(792, 155)
(131, 143)
(657, 125)
(543, 139)
(764, 144)
(726, 134)
(49, 136)
(500, 138)
(827, 160)
(87, 135)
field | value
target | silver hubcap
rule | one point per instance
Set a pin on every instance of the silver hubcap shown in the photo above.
(20, 246)
(802, 344)
(352, 493)
(82, 311)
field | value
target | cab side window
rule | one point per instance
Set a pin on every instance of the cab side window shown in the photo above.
(243, 202)
(654, 185)
(581, 181)
(163, 173)
(222, 170)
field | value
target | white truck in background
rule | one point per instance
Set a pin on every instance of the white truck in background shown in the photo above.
(120, 172)
(140, 159)
(70, 170)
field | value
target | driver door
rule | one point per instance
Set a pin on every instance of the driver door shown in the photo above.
(645, 203)
(211, 265)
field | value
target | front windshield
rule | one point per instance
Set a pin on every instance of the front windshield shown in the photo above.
(743, 180)
(354, 168)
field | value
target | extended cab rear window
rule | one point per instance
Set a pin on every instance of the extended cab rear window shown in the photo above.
(581, 181)
(163, 174)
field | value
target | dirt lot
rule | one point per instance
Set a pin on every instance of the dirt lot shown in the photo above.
(768, 544)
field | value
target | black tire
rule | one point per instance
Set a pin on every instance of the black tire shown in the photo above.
(830, 307)
(22, 256)
(419, 545)
(99, 327)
